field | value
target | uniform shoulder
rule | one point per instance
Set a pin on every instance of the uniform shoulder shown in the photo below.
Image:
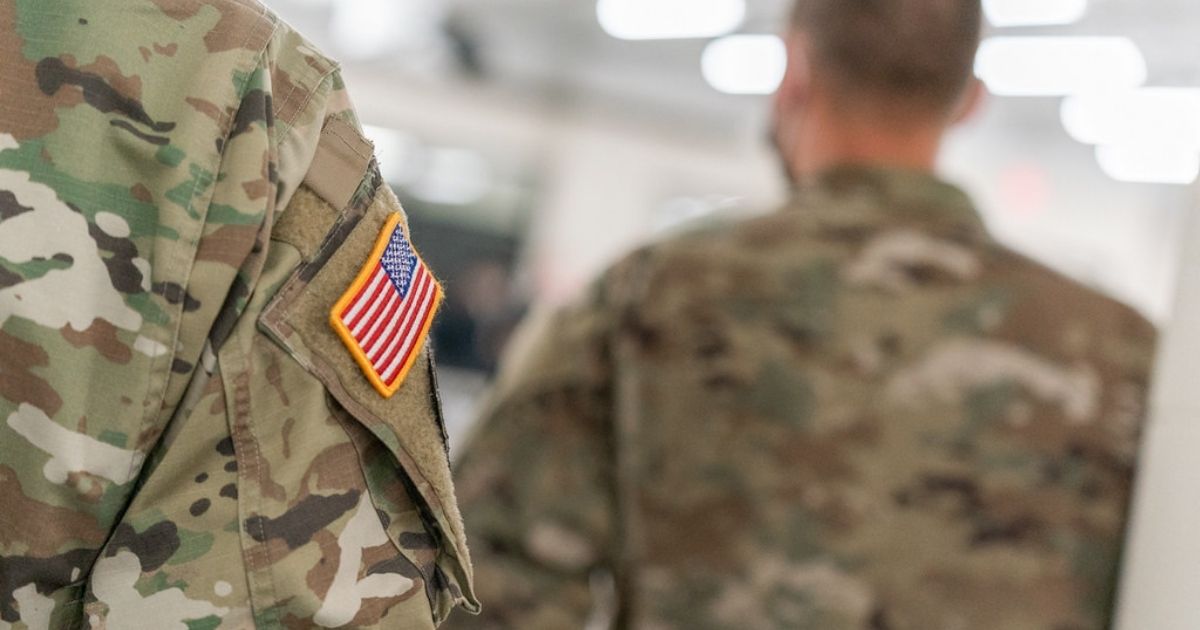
(753, 236)
(712, 261)
(1054, 294)
(251, 26)
(229, 24)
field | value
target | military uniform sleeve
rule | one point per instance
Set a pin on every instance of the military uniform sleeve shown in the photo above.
(289, 490)
(357, 525)
(538, 477)
(126, 225)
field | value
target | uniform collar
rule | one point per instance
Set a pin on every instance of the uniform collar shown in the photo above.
(906, 195)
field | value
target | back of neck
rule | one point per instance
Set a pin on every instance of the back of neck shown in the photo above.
(829, 141)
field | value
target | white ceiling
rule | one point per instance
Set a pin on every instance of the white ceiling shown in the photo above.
(546, 56)
(554, 51)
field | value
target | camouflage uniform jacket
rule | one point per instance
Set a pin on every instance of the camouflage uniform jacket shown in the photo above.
(859, 412)
(185, 443)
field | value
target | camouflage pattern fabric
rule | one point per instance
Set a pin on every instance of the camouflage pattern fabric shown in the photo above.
(856, 413)
(184, 443)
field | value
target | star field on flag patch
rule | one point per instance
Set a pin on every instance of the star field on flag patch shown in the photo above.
(385, 315)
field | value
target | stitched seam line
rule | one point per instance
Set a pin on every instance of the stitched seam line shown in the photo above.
(321, 82)
(184, 255)
(335, 132)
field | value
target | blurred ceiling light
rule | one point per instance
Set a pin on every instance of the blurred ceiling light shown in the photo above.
(1005, 13)
(745, 64)
(363, 29)
(1156, 116)
(1059, 66)
(454, 177)
(670, 19)
(1149, 164)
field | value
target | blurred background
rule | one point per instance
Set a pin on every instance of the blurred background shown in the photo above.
(534, 141)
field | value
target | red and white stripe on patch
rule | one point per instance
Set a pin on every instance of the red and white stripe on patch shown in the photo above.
(385, 315)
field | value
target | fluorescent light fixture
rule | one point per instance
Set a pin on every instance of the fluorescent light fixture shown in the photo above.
(1158, 116)
(1059, 66)
(1149, 164)
(670, 19)
(745, 64)
(1005, 13)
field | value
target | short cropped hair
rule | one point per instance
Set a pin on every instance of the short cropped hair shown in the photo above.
(921, 52)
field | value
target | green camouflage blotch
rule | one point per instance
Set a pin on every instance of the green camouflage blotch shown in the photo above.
(170, 155)
(208, 623)
(34, 269)
(192, 545)
(116, 438)
(158, 583)
(182, 194)
(229, 215)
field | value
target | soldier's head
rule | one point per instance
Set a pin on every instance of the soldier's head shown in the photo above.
(875, 80)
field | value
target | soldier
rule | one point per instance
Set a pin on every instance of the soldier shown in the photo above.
(216, 409)
(857, 412)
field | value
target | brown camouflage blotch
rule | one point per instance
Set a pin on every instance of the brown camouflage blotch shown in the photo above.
(269, 487)
(89, 487)
(285, 108)
(320, 576)
(179, 10)
(19, 85)
(108, 69)
(216, 408)
(275, 378)
(288, 425)
(56, 526)
(260, 188)
(18, 383)
(292, 622)
(1043, 598)
(237, 19)
(824, 458)
(102, 336)
(229, 244)
(141, 193)
(722, 517)
(374, 609)
(328, 470)
(207, 108)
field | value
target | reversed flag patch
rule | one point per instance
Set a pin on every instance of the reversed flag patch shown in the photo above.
(385, 315)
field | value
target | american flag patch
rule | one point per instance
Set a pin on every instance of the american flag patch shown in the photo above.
(385, 315)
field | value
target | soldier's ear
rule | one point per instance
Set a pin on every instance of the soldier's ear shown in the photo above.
(796, 87)
(972, 102)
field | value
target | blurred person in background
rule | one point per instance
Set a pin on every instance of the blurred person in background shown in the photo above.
(857, 412)
(215, 404)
